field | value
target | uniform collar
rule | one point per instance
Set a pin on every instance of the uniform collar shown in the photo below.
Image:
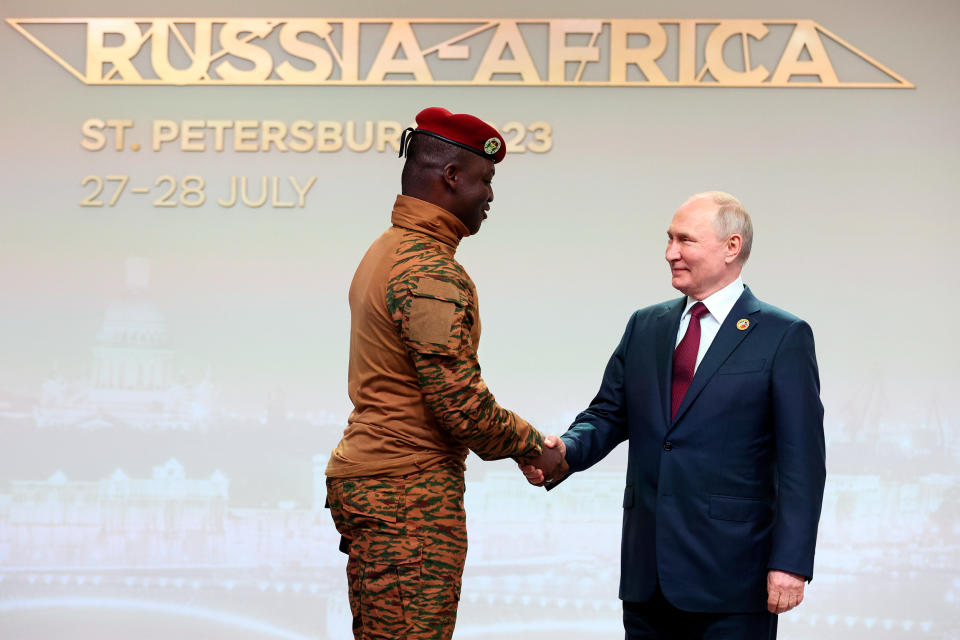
(419, 215)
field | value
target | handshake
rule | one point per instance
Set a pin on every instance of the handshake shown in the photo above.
(549, 467)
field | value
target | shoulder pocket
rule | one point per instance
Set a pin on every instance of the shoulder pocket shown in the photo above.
(439, 290)
(433, 320)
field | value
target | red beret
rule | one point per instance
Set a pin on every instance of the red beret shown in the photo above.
(460, 129)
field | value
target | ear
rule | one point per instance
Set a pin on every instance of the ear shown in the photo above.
(734, 244)
(451, 173)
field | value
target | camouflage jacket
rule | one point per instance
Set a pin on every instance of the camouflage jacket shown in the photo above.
(414, 378)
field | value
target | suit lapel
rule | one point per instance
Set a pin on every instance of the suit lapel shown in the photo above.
(728, 338)
(667, 323)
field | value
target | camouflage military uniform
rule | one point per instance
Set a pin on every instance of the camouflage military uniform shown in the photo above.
(395, 481)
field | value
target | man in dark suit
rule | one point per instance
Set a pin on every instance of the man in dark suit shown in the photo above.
(718, 395)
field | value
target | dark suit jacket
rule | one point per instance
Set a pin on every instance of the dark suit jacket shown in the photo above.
(733, 486)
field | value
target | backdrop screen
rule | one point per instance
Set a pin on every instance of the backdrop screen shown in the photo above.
(185, 201)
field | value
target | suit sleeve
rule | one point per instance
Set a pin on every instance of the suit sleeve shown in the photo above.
(603, 425)
(801, 457)
(431, 316)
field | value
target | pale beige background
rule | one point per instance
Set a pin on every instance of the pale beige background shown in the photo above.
(852, 197)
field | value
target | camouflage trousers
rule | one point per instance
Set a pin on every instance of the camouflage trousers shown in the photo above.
(407, 541)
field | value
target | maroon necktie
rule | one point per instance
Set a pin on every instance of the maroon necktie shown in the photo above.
(685, 358)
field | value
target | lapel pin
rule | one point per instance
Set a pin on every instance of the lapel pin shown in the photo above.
(742, 324)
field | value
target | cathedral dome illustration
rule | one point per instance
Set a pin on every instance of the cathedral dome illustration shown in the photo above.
(133, 322)
(133, 377)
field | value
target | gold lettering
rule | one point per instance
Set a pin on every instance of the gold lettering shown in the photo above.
(91, 200)
(219, 126)
(300, 132)
(119, 57)
(166, 200)
(561, 53)
(687, 52)
(307, 53)
(322, 62)
(119, 127)
(713, 52)
(160, 51)
(506, 36)
(622, 55)
(542, 137)
(400, 36)
(350, 54)
(233, 194)
(805, 36)
(92, 129)
(274, 132)
(329, 136)
(164, 131)
(245, 136)
(193, 196)
(123, 180)
(246, 197)
(275, 200)
(351, 136)
(192, 136)
(514, 144)
(234, 45)
(388, 132)
(302, 192)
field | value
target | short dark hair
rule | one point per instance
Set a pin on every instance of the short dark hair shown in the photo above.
(426, 153)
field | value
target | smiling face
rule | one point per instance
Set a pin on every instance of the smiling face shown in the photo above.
(472, 190)
(700, 262)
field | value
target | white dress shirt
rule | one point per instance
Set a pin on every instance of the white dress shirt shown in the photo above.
(718, 305)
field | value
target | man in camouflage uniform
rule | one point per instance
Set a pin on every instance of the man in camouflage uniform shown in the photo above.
(395, 482)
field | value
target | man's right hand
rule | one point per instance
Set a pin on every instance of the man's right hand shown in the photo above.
(549, 466)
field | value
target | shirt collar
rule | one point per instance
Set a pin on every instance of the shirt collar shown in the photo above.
(425, 217)
(719, 303)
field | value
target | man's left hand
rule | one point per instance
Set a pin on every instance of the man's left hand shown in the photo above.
(784, 591)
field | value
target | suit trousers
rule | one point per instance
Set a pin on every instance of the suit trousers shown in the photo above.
(406, 538)
(657, 619)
